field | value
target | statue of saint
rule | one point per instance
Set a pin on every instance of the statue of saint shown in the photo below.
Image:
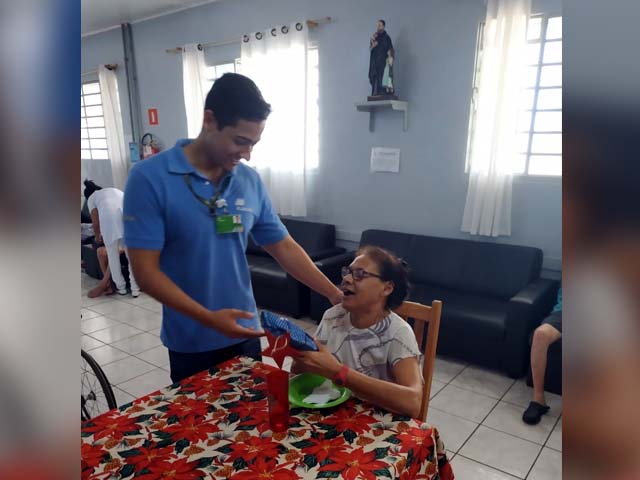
(381, 64)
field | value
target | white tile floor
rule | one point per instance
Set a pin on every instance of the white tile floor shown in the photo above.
(477, 411)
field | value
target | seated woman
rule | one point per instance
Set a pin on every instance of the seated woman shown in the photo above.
(363, 344)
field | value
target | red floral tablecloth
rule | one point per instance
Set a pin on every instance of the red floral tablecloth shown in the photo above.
(215, 425)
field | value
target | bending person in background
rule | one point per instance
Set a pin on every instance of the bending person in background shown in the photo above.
(105, 207)
(363, 344)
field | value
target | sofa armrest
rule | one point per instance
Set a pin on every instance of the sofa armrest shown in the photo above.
(539, 296)
(526, 309)
(331, 266)
(329, 252)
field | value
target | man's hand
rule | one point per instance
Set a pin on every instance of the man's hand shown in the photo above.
(225, 321)
(321, 363)
(98, 237)
(336, 297)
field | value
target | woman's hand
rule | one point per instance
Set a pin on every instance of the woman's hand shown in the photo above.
(321, 362)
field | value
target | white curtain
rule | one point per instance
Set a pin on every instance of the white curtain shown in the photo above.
(493, 144)
(118, 152)
(193, 81)
(276, 60)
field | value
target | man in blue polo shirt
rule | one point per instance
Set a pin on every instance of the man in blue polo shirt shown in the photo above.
(188, 213)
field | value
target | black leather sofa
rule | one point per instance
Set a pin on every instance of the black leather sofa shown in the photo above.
(492, 294)
(273, 288)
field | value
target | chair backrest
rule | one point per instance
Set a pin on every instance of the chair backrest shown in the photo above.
(430, 315)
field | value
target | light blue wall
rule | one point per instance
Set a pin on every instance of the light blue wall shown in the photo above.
(435, 44)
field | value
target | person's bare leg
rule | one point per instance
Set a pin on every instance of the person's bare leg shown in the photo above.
(543, 336)
(104, 286)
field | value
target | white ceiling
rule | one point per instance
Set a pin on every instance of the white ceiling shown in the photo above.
(100, 15)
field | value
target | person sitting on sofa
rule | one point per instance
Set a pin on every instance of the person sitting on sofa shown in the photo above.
(105, 207)
(363, 344)
(548, 332)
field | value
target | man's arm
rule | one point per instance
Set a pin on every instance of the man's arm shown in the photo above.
(151, 279)
(95, 222)
(295, 261)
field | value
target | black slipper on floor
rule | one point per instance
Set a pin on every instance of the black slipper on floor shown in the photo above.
(534, 412)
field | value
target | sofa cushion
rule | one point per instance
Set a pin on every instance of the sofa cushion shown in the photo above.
(313, 237)
(497, 269)
(465, 314)
(265, 270)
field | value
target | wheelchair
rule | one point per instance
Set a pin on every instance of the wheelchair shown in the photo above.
(95, 391)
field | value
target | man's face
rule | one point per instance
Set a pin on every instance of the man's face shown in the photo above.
(227, 146)
(379, 27)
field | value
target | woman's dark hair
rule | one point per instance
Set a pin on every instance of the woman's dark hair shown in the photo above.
(384, 24)
(90, 187)
(235, 97)
(392, 269)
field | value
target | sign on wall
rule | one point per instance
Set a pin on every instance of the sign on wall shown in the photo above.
(153, 116)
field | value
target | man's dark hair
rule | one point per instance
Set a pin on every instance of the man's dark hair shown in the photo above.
(235, 97)
(384, 24)
(392, 269)
(90, 187)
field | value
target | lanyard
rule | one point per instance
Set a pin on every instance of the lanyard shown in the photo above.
(209, 202)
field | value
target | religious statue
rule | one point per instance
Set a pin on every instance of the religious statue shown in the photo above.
(381, 64)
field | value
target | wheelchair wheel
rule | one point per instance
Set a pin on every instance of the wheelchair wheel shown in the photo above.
(96, 394)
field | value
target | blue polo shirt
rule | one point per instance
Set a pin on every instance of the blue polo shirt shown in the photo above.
(161, 213)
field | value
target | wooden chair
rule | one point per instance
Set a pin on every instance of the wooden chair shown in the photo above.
(430, 315)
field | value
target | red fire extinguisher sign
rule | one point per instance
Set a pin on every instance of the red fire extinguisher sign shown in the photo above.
(153, 116)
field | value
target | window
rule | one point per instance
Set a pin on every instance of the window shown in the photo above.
(540, 119)
(93, 135)
(213, 72)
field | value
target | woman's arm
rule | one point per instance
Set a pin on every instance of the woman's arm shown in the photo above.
(403, 397)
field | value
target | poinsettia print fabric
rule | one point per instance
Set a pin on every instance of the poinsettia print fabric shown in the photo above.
(215, 425)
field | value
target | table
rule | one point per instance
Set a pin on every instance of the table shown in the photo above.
(215, 425)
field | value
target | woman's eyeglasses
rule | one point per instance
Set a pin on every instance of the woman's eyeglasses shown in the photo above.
(358, 273)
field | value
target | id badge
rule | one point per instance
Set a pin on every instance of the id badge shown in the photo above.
(229, 224)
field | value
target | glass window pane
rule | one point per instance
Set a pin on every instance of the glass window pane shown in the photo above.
(89, 88)
(95, 121)
(551, 76)
(93, 99)
(83, 133)
(83, 123)
(84, 144)
(524, 121)
(82, 112)
(552, 52)
(97, 133)
(548, 122)
(523, 142)
(554, 28)
(225, 68)
(85, 154)
(210, 72)
(533, 53)
(100, 154)
(533, 30)
(81, 101)
(527, 99)
(94, 111)
(549, 98)
(545, 165)
(99, 143)
(531, 77)
(546, 143)
(519, 163)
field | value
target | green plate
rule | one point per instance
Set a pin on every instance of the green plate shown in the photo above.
(302, 385)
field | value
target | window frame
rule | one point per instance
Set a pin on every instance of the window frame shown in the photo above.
(542, 41)
(84, 116)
